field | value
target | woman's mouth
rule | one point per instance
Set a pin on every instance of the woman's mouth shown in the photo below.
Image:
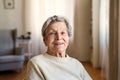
(58, 43)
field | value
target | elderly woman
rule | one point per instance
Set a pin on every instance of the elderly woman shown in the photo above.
(55, 64)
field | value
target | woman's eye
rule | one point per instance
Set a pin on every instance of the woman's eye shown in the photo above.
(62, 33)
(52, 33)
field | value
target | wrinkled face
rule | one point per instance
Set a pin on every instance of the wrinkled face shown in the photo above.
(56, 37)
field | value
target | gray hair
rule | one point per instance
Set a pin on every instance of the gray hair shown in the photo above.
(55, 18)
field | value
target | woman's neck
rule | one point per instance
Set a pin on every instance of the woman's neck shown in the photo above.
(57, 54)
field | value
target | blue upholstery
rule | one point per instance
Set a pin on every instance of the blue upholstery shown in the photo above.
(11, 56)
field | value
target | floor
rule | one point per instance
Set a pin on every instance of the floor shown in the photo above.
(95, 73)
(15, 75)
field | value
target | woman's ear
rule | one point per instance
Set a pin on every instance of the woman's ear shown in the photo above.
(44, 40)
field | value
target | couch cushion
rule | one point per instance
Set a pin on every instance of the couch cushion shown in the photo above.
(7, 42)
(11, 58)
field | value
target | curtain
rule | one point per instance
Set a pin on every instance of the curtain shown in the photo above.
(104, 36)
(114, 40)
(37, 11)
(95, 32)
(82, 36)
(101, 35)
(119, 45)
(33, 24)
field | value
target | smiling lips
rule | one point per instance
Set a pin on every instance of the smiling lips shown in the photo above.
(59, 43)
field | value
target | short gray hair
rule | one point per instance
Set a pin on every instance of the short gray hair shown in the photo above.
(55, 19)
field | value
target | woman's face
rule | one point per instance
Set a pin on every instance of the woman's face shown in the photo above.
(56, 37)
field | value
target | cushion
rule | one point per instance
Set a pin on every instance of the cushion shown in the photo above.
(11, 58)
(7, 42)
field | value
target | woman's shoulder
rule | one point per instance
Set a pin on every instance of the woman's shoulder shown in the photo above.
(76, 61)
(37, 58)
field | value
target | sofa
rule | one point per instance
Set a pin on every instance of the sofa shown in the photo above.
(11, 55)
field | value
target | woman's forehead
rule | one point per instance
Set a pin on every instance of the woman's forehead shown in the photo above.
(57, 25)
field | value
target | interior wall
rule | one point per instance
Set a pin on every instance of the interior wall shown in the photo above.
(12, 18)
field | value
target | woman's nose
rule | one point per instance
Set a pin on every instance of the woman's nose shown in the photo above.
(58, 36)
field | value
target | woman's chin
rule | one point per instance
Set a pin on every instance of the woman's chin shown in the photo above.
(59, 50)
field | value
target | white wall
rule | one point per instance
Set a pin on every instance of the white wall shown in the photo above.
(12, 18)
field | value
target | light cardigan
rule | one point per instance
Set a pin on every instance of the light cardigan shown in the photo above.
(47, 67)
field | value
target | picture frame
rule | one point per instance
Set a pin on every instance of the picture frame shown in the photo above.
(9, 4)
